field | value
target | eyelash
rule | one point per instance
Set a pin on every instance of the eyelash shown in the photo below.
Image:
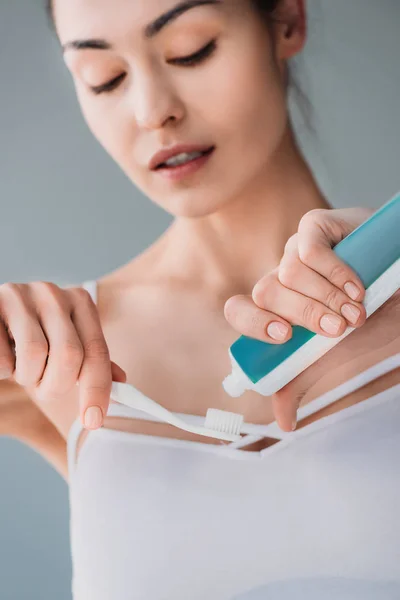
(186, 61)
(197, 57)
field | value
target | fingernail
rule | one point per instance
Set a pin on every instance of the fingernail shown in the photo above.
(93, 417)
(351, 290)
(330, 323)
(350, 312)
(277, 331)
(294, 424)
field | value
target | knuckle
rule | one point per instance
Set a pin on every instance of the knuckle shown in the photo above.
(292, 242)
(260, 290)
(47, 287)
(288, 274)
(96, 348)
(310, 314)
(102, 388)
(258, 293)
(81, 295)
(35, 349)
(10, 289)
(71, 355)
(338, 273)
(308, 253)
(50, 292)
(255, 323)
(312, 216)
(333, 298)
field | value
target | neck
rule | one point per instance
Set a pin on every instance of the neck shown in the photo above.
(228, 251)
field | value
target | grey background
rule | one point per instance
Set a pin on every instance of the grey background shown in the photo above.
(69, 214)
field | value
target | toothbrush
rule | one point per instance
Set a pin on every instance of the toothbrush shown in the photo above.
(373, 252)
(218, 424)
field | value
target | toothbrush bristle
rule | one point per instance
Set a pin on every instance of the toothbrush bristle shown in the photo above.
(224, 421)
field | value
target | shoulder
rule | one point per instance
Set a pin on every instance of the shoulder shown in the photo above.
(358, 355)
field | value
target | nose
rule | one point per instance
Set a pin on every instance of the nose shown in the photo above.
(156, 102)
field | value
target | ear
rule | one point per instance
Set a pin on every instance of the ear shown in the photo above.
(290, 28)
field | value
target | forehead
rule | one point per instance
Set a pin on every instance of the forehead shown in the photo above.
(104, 18)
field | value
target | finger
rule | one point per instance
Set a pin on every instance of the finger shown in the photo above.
(117, 373)
(250, 320)
(317, 235)
(285, 404)
(295, 275)
(27, 345)
(95, 377)
(65, 351)
(7, 356)
(295, 308)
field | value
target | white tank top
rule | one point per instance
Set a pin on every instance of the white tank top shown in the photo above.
(313, 517)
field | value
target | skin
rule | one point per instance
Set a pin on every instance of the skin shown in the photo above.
(251, 240)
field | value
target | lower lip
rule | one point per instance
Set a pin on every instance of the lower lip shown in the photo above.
(182, 171)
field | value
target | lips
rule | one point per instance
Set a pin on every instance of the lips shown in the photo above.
(159, 159)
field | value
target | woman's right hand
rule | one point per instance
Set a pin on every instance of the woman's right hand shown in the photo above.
(51, 340)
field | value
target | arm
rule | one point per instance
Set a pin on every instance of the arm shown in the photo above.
(21, 419)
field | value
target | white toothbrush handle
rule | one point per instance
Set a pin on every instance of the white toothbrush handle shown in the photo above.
(130, 396)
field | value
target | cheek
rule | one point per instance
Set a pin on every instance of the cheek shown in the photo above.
(245, 99)
(109, 127)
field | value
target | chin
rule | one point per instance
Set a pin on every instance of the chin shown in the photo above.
(194, 204)
(211, 193)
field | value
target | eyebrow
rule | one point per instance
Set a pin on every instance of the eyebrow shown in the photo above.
(150, 30)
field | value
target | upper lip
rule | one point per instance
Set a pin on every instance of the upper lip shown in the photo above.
(163, 155)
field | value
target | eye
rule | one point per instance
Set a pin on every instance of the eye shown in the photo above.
(191, 60)
(197, 57)
(109, 86)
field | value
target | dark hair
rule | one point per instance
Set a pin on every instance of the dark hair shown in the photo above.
(49, 11)
(266, 8)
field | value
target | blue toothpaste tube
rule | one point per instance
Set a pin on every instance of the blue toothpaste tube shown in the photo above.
(373, 252)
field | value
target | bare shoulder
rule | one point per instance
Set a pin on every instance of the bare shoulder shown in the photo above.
(377, 341)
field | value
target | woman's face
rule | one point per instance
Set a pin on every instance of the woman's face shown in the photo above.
(229, 96)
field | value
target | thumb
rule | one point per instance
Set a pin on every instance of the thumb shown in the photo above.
(319, 231)
(118, 374)
(328, 227)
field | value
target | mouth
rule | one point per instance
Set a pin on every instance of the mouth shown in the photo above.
(184, 164)
(184, 158)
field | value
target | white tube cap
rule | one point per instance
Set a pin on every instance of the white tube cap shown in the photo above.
(234, 385)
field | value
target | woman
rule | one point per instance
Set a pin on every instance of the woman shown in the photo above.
(191, 101)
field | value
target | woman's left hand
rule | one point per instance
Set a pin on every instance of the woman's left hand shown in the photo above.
(311, 287)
